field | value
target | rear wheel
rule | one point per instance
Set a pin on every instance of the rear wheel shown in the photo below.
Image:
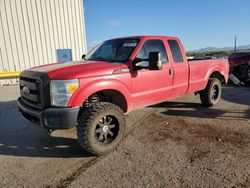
(211, 95)
(101, 128)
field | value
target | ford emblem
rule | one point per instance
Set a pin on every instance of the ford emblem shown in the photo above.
(26, 90)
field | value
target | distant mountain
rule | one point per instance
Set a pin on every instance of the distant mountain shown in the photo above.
(213, 49)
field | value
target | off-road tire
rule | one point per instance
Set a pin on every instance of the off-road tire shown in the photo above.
(88, 121)
(207, 95)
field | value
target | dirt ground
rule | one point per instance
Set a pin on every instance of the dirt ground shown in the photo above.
(173, 144)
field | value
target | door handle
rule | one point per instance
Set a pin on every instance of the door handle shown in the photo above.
(171, 72)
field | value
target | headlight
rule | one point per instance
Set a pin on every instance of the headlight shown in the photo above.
(62, 90)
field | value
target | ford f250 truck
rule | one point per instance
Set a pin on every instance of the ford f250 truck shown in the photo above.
(116, 77)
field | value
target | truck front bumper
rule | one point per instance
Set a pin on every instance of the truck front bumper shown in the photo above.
(51, 118)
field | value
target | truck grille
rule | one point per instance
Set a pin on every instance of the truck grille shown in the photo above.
(30, 91)
(34, 89)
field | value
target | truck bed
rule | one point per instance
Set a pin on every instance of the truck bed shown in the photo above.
(200, 71)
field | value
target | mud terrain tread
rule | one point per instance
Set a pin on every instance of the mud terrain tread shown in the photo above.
(205, 94)
(86, 119)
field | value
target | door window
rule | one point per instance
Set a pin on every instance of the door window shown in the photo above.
(152, 46)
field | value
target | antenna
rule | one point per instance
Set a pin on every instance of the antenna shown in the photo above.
(235, 43)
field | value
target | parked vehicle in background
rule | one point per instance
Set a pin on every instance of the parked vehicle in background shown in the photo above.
(240, 67)
(116, 77)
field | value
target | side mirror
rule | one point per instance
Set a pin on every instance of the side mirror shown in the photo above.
(136, 65)
(154, 61)
(83, 56)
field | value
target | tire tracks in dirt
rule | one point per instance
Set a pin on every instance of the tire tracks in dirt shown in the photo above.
(65, 182)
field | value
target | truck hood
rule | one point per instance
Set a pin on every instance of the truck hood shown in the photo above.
(79, 69)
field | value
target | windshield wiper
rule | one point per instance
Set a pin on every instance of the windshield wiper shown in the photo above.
(104, 59)
(98, 59)
(115, 60)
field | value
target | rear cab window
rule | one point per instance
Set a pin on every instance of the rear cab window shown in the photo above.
(176, 51)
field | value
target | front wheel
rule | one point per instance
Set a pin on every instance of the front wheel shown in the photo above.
(211, 95)
(101, 128)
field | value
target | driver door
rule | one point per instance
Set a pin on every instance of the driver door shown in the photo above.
(150, 86)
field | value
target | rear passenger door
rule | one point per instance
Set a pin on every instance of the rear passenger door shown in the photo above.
(180, 68)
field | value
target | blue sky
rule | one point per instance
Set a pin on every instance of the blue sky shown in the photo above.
(198, 23)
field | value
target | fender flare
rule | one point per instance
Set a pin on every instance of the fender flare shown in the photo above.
(213, 70)
(99, 85)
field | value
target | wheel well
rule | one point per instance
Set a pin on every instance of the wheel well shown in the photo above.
(219, 76)
(112, 96)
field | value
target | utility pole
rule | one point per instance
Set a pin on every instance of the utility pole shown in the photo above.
(235, 43)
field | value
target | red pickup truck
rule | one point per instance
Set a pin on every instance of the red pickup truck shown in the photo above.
(116, 77)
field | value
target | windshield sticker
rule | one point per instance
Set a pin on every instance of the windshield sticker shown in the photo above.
(129, 44)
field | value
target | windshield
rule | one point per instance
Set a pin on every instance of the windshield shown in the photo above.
(116, 50)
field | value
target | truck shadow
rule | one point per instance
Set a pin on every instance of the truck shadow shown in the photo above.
(196, 110)
(19, 138)
(232, 95)
(189, 109)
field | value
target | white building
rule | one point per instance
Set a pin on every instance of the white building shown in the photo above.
(37, 32)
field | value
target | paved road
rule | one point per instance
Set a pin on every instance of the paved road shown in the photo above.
(175, 144)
